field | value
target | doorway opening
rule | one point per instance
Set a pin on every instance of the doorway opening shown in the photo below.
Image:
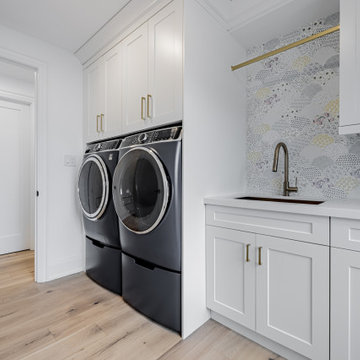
(18, 161)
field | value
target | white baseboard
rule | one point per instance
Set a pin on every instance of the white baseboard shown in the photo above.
(259, 339)
(65, 267)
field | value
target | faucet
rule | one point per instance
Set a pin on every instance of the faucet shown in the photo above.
(287, 188)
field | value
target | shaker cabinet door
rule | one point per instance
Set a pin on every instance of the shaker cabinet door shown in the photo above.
(165, 65)
(292, 295)
(345, 300)
(95, 99)
(111, 121)
(231, 274)
(135, 80)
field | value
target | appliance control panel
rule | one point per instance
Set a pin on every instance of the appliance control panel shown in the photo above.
(168, 134)
(102, 146)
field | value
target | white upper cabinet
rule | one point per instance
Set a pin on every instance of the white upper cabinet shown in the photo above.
(349, 67)
(94, 99)
(103, 96)
(165, 66)
(138, 83)
(135, 79)
(112, 114)
(152, 71)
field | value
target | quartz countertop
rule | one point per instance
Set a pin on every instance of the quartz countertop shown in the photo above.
(349, 209)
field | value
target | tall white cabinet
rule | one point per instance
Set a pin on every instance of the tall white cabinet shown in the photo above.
(349, 67)
(138, 83)
(152, 68)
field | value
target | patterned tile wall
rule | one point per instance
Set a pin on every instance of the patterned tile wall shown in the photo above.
(294, 97)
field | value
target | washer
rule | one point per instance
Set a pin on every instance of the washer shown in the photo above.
(101, 225)
(147, 197)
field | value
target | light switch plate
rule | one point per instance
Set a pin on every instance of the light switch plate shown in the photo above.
(69, 160)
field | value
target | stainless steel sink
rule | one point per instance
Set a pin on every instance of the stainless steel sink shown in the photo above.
(290, 200)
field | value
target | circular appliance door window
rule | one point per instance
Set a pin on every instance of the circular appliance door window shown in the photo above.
(140, 190)
(93, 187)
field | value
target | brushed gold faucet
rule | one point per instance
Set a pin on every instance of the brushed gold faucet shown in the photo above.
(287, 188)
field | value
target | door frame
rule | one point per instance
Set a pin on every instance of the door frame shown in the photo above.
(38, 106)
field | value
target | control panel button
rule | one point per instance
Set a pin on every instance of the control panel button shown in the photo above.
(143, 137)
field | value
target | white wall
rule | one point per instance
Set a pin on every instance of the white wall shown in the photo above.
(64, 243)
(214, 144)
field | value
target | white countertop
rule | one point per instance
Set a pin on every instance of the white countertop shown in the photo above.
(349, 209)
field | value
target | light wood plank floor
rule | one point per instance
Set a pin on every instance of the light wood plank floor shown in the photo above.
(74, 318)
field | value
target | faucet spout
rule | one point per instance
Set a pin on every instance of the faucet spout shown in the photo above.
(287, 188)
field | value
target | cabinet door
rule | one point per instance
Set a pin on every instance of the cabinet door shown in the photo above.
(345, 300)
(230, 278)
(95, 99)
(135, 79)
(292, 295)
(111, 122)
(165, 65)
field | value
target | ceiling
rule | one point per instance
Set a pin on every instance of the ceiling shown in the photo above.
(70, 23)
(254, 21)
(64, 23)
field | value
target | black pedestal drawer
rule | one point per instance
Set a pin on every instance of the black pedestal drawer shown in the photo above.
(103, 265)
(153, 291)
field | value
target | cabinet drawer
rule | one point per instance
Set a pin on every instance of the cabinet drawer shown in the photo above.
(345, 233)
(312, 229)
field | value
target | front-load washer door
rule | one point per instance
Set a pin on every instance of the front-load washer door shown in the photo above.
(140, 190)
(93, 187)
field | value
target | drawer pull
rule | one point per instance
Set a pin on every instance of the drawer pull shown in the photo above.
(260, 262)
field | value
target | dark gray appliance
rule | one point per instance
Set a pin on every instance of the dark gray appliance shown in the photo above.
(101, 225)
(147, 197)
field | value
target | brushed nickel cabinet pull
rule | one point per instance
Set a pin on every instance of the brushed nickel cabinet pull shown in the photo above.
(247, 252)
(97, 123)
(260, 262)
(142, 108)
(149, 97)
(101, 122)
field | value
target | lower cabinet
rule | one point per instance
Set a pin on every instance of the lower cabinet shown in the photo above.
(345, 304)
(277, 287)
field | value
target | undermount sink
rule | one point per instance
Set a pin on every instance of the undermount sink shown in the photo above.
(296, 201)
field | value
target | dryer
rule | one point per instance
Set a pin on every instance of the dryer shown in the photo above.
(147, 197)
(101, 225)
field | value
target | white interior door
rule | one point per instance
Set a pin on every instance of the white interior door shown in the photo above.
(15, 180)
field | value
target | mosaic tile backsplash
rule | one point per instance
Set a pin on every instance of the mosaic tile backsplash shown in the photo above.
(294, 97)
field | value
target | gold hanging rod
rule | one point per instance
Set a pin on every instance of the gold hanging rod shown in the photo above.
(287, 47)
